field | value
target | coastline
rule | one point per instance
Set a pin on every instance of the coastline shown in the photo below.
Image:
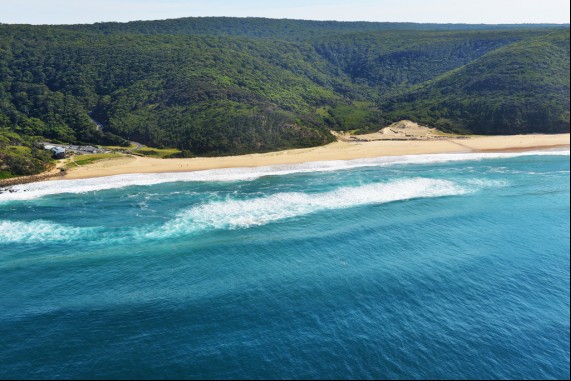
(331, 152)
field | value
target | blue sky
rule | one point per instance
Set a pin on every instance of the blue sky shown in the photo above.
(440, 11)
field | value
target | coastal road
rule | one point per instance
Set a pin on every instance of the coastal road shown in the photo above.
(100, 128)
(99, 125)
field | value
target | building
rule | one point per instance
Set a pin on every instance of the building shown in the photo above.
(58, 152)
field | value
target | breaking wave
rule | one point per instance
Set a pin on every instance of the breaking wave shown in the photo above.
(234, 214)
(37, 190)
(40, 231)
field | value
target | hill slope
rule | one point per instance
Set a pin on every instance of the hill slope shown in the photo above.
(519, 88)
(212, 86)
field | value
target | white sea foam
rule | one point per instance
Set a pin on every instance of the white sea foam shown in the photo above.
(39, 231)
(36, 190)
(232, 213)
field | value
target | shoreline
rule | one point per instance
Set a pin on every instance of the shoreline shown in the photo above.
(44, 176)
(332, 152)
(525, 149)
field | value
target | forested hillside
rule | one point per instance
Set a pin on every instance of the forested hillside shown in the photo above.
(520, 88)
(212, 86)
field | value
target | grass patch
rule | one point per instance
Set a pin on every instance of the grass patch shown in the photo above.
(121, 148)
(5, 175)
(22, 150)
(89, 159)
(158, 153)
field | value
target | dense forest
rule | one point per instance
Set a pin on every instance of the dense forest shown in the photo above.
(218, 86)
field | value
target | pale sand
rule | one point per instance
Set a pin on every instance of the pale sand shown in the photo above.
(333, 151)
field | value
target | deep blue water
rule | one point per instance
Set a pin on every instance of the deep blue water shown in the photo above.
(434, 268)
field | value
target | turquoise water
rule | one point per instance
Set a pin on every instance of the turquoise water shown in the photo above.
(437, 266)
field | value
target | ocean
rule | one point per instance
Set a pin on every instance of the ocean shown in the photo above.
(430, 266)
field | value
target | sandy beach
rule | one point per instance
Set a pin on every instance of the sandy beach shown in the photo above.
(334, 151)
